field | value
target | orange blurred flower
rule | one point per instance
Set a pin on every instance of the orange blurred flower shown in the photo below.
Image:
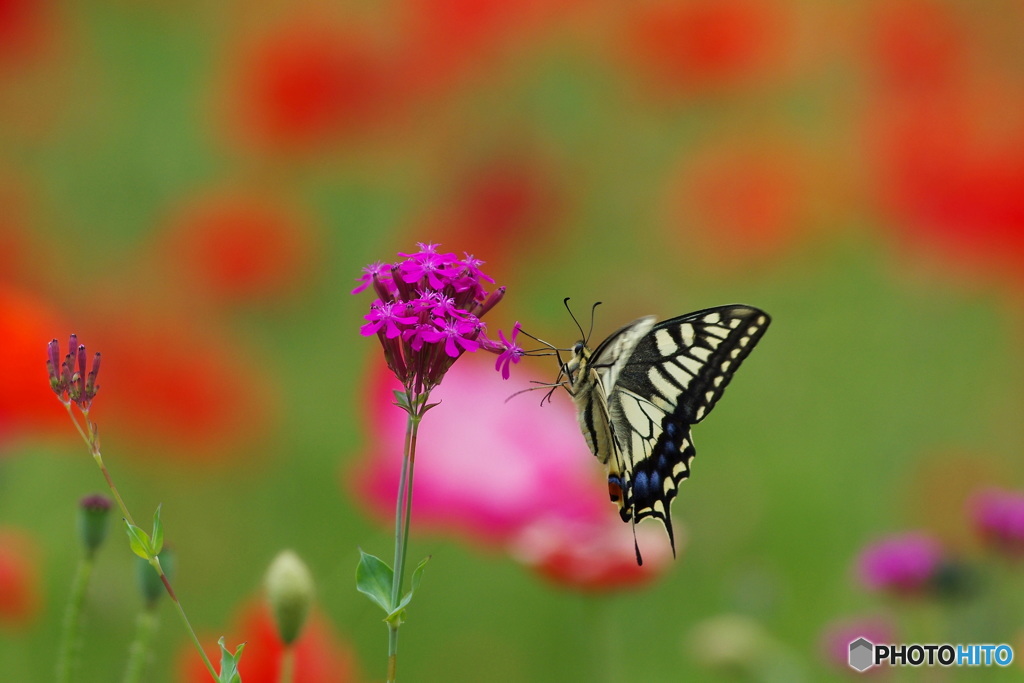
(320, 657)
(741, 202)
(19, 583)
(240, 246)
(707, 45)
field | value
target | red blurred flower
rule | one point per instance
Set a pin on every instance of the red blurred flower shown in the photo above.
(319, 655)
(510, 475)
(743, 203)
(500, 207)
(26, 30)
(448, 39)
(916, 44)
(706, 45)
(26, 324)
(241, 246)
(174, 389)
(305, 85)
(19, 582)
(950, 173)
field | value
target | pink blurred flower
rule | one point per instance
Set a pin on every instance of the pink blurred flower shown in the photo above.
(998, 517)
(837, 636)
(505, 475)
(904, 564)
(19, 578)
(320, 656)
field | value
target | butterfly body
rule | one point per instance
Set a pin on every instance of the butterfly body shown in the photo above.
(640, 390)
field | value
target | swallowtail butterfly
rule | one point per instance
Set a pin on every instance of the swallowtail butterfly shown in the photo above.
(639, 392)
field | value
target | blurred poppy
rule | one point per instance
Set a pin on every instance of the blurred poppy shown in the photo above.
(175, 389)
(238, 246)
(500, 207)
(699, 46)
(27, 323)
(320, 657)
(19, 583)
(446, 40)
(949, 171)
(508, 475)
(915, 44)
(26, 29)
(741, 202)
(305, 85)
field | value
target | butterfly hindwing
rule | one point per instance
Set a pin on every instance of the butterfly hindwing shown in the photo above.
(657, 380)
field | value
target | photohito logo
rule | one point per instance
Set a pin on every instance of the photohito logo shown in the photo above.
(864, 654)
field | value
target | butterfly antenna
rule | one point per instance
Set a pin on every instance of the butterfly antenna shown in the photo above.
(579, 327)
(590, 331)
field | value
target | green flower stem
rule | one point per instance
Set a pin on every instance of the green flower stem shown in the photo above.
(286, 674)
(92, 439)
(403, 511)
(70, 641)
(142, 647)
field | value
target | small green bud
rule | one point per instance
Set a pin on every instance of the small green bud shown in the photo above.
(93, 512)
(290, 594)
(149, 581)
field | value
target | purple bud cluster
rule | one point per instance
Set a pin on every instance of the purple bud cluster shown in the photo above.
(428, 313)
(70, 379)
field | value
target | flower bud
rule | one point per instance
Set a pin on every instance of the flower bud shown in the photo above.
(290, 593)
(93, 512)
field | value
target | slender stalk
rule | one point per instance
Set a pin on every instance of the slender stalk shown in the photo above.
(70, 640)
(91, 438)
(403, 514)
(142, 647)
(287, 672)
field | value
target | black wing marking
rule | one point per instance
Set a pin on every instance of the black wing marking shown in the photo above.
(675, 375)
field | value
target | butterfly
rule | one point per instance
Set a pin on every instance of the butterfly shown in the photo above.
(640, 391)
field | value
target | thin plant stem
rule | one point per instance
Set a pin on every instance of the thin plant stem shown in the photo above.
(403, 514)
(287, 672)
(142, 647)
(70, 642)
(91, 438)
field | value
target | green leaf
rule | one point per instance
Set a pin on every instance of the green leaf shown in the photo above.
(158, 532)
(402, 401)
(139, 541)
(417, 575)
(373, 579)
(229, 664)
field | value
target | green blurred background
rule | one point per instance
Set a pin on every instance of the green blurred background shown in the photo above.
(193, 187)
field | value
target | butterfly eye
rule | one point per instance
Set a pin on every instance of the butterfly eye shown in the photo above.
(577, 348)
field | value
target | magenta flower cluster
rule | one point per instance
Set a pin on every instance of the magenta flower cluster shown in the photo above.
(428, 313)
(902, 564)
(998, 517)
(70, 379)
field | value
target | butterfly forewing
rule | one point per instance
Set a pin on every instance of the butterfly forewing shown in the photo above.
(656, 381)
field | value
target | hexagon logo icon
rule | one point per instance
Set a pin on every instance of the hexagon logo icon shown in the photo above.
(862, 654)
